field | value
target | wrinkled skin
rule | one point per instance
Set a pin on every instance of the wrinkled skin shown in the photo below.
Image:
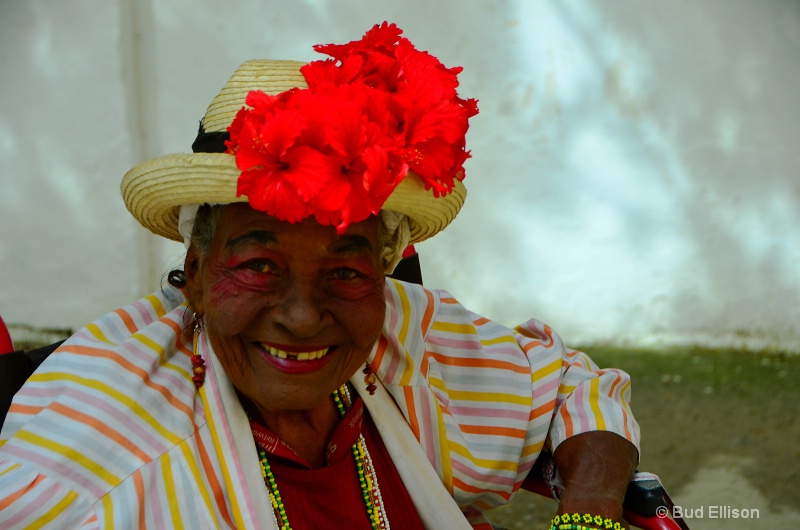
(297, 288)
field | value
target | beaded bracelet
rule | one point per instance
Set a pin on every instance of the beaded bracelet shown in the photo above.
(571, 521)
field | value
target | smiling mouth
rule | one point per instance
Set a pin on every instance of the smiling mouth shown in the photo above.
(296, 355)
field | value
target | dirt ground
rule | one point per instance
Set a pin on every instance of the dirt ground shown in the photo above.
(719, 427)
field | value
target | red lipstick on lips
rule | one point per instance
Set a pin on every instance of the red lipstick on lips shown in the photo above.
(291, 365)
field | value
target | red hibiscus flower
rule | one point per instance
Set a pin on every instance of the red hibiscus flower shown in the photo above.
(336, 150)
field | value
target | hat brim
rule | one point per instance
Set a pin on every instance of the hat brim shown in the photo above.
(155, 190)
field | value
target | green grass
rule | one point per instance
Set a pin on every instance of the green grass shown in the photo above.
(694, 404)
(718, 370)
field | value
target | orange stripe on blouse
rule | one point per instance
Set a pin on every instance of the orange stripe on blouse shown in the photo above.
(493, 431)
(425, 363)
(138, 485)
(132, 368)
(19, 408)
(130, 325)
(194, 467)
(463, 486)
(380, 352)
(7, 501)
(547, 408)
(218, 438)
(216, 486)
(614, 386)
(473, 362)
(413, 420)
(536, 343)
(569, 429)
(625, 409)
(178, 329)
(428, 315)
(100, 427)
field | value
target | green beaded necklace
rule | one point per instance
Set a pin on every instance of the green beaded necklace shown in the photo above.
(366, 476)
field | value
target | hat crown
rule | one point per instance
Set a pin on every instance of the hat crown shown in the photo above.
(269, 76)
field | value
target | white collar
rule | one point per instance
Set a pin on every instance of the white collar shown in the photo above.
(234, 439)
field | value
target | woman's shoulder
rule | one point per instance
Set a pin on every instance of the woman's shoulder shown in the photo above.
(156, 315)
(126, 346)
(407, 302)
(117, 393)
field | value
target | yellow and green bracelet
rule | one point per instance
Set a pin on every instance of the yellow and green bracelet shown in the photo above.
(577, 521)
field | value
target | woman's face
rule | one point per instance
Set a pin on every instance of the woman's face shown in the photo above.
(292, 310)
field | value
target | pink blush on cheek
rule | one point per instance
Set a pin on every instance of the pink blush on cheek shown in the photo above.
(231, 296)
(233, 262)
(226, 290)
(223, 289)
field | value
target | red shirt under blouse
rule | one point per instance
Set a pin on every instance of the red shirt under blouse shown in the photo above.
(331, 496)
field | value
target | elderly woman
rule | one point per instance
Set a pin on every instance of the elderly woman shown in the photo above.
(282, 380)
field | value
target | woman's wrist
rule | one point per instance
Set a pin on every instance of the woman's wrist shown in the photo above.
(585, 508)
(604, 506)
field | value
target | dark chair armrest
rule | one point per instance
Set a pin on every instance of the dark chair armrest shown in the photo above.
(15, 368)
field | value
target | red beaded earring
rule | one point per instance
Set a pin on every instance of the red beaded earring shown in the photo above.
(198, 364)
(369, 379)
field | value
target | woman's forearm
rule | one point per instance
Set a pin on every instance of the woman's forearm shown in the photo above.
(595, 468)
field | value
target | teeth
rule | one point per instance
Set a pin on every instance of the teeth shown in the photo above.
(303, 356)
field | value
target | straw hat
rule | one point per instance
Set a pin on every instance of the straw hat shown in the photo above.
(155, 190)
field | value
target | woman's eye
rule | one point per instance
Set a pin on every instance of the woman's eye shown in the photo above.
(345, 274)
(260, 266)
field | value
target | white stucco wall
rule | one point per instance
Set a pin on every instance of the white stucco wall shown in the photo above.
(635, 174)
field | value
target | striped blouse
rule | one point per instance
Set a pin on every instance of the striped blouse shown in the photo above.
(110, 431)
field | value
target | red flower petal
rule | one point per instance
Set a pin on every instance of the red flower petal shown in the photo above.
(382, 37)
(308, 170)
(338, 149)
(268, 192)
(261, 101)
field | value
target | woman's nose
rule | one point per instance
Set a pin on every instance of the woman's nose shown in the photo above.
(301, 312)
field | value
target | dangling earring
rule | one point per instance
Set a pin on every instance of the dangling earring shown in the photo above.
(369, 378)
(198, 364)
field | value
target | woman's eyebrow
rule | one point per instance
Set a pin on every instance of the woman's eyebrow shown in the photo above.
(351, 244)
(265, 237)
